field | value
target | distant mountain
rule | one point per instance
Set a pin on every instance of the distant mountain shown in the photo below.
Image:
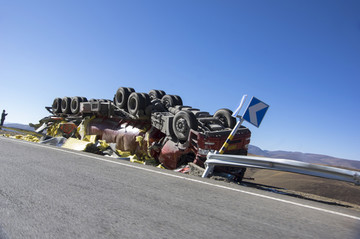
(305, 157)
(19, 126)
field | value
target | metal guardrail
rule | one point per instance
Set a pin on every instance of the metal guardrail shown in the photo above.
(280, 165)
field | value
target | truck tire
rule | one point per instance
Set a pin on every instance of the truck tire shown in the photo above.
(226, 118)
(121, 97)
(182, 123)
(156, 94)
(146, 98)
(65, 105)
(130, 89)
(168, 101)
(161, 93)
(178, 100)
(56, 106)
(75, 104)
(136, 102)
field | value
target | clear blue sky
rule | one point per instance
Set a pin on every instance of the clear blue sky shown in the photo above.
(300, 57)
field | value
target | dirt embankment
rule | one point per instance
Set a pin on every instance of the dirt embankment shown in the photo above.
(313, 188)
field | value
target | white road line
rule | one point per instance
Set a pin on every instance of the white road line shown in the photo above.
(194, 180)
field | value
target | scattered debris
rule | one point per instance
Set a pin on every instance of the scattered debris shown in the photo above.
(28, 137)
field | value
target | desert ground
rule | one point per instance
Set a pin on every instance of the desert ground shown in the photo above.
(309, 187)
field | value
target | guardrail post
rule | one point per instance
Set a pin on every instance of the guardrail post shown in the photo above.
(208, 170)
(357, 178)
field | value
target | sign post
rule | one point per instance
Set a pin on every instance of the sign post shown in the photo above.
(233, 132)
(254, 114)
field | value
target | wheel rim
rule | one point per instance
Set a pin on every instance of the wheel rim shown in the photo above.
(182, 126)
(183, 122)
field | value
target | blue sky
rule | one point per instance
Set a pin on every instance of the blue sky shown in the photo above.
(300, 57)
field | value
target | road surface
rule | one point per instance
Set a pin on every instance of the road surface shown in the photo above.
(49, 192)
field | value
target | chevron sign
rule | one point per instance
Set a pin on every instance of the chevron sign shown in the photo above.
(255, 112)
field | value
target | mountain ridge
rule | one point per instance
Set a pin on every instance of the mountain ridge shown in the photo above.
(305, 157)
(19, 126)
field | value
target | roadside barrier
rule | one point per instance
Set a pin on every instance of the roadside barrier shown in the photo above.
(280, 165)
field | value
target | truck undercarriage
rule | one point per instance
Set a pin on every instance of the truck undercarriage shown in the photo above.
(153, 125)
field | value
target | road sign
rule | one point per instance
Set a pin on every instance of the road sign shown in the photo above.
(255, 112)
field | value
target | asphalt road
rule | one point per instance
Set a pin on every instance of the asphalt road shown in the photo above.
(48, 192)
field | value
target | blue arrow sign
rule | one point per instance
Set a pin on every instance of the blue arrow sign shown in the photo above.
(255, 112)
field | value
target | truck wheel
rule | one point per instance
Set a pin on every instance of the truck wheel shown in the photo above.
(136, 102)
(56, 106)
(225, 116)
(178, 100)
(130, 89)
(161, 93)
(147, 99)
(168, 101)
(121, 97)
(182, 123)
(75, 104)
(65, 105)
(156, 94)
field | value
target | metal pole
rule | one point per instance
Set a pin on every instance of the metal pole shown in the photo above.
(237, 111)
(230, 137)
(237, 126)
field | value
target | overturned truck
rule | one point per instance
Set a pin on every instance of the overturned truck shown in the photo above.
(153, 124)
